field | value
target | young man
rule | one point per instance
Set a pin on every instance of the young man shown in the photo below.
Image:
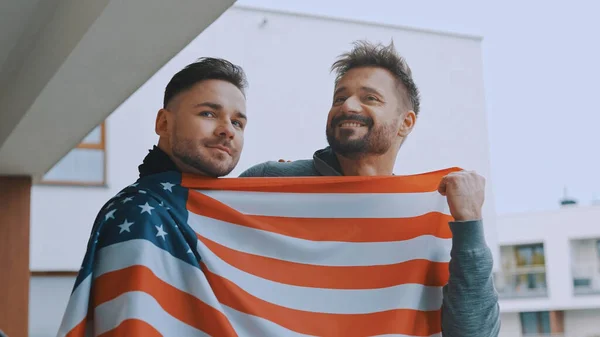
(375, 106)
(141, 246)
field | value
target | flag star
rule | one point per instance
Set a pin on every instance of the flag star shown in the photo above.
(126, 200)
(142, 191)
(119, 194)
(110, 215)
(125, 226)
(190, 251)
(161, 232)
(111, 204)
(146, 208)
(167, 186)
(163, 205)
(134, 185)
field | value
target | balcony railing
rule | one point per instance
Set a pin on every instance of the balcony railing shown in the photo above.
(521, 282)
(586, 277)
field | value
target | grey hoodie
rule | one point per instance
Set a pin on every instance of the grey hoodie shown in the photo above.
(470, 304)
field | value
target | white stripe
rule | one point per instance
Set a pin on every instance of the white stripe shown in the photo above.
(332, 205)
(326, 253)
(334, 301)
(178, 274)
(77, 308)
(165, 266)
(249, 325)
(139, 305)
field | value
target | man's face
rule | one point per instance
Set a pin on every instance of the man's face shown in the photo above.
(206, 128)
(366, 114)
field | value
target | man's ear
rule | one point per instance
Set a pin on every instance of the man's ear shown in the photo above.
(408, 123)
(163, 118)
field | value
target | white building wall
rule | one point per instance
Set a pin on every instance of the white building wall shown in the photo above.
(48, 297)
(555, 230)
(511, 325)
(287, 59)
(582, 323)
(577, 323)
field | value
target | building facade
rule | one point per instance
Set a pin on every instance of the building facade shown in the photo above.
(549, 276)
(287, 58)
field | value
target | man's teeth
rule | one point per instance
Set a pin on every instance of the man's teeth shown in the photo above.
(356, 125)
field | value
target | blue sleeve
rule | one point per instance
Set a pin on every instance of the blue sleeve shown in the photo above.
(258, 170)
(470, 304)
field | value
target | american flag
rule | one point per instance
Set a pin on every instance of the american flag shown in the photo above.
(181, 255)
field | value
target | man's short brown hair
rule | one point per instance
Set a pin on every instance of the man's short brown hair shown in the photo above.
(367, 54)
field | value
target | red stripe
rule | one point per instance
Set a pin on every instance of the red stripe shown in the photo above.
(333, 277)
(399, 321)
(425, 182)
(132, 327)
(327, 229)
(181, 305)
(78, 330)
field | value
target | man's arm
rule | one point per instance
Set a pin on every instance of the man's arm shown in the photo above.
(255, 171)
(470, 304)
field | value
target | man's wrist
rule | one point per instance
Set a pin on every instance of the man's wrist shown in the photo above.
(467, 235)
(468, 216)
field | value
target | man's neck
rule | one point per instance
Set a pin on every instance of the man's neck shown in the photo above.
(182, 167)
(382, 165)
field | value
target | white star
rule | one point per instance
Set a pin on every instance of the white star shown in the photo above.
(163, 205)
(167, 186)
(119, 194)
(110, 215)
(142, 191)
(146, 208)
(190, 251)
(161, 232)
(125, 226)
(126, 200)
(134, 185)
(110, 205)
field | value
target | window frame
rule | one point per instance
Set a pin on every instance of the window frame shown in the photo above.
(87, 146)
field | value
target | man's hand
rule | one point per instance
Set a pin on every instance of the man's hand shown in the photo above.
(465, 192)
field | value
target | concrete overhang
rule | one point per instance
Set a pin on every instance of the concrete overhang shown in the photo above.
(65, 65)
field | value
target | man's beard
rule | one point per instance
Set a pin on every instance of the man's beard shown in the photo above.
(376, 141)
(187, 152)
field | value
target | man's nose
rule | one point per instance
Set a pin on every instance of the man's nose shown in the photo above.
(351, 105)
(225, 129)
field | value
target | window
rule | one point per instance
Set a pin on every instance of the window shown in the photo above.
(523, 272)
(542, 323)
(530, 260)
(585, 266)
(534, 323)
(84, 165)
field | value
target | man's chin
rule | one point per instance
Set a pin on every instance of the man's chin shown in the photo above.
(214, 170)
(219, 170)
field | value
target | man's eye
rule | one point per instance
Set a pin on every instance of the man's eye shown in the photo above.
(238, 124)
(372, 98)
(338, 100)
(207, 114)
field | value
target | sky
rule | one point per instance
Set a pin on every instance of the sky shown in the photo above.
(541, 72)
